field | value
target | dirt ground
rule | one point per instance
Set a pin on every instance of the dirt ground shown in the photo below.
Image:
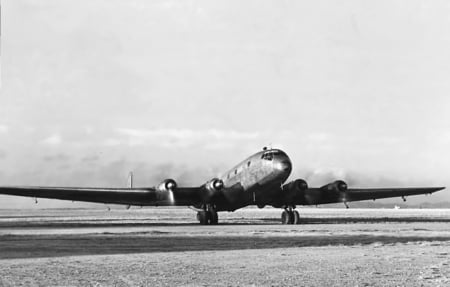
(166, 247)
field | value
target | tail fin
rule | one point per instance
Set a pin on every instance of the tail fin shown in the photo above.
(130, 180)
(130, 184)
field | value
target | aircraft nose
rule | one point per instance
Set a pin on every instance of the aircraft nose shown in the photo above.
(284, 166)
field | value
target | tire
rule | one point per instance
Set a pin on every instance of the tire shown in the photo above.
(214, 217)
(291, 217)
(203, 217)
(285, 217)
(296, 217)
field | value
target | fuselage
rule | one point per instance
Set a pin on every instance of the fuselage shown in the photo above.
(256, 180)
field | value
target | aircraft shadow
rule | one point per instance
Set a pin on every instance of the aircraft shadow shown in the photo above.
(34, 246)
(346, 220)
(102, 223)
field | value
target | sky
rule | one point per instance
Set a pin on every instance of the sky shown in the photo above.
(355, 90)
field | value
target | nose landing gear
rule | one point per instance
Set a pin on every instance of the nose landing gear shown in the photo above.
(208, 216)
(290, 216)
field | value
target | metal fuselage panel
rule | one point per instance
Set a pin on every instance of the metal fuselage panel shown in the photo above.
(256, 180)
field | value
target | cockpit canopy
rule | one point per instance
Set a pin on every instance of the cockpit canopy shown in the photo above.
(269, 155)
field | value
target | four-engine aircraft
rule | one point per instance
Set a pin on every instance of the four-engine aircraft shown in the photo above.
(258, 180)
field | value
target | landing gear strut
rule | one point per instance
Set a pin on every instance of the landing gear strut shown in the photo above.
(208, 216)
(290, 216)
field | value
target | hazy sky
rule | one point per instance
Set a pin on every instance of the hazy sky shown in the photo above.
(358, 90)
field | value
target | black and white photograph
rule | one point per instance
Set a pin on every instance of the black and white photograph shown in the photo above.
(224, 143)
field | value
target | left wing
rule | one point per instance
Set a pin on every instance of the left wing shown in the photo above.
(297, 193)
(317, 196)
(127, 196)
(355, 194)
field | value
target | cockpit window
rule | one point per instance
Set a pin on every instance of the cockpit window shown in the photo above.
(267, 156)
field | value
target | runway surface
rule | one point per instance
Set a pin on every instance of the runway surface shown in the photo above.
(166, 246)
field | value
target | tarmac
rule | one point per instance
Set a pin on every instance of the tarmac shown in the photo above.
(167, 246)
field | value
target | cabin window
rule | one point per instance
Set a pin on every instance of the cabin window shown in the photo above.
(235, 171)
(248, 164)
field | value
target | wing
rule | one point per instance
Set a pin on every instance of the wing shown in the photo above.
(356, 194)
(297, 194)
(319, 196)
(128, 196)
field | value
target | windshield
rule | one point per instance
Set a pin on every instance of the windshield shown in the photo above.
(269, 155)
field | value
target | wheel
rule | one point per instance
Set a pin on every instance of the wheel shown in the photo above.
(214, 217)
(286, 217)
(291, 217)
(296, 217)
(203, 217)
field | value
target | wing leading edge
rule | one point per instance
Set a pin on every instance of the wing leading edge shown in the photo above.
(127, 196)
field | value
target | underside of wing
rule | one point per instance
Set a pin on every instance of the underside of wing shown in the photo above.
(376, 193)
(127, 196)
(297, 192)
(315, 196)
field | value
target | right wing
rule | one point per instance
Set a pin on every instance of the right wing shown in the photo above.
(127, 196)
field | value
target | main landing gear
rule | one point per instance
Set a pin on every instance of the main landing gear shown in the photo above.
(290, 216)
(208, 216)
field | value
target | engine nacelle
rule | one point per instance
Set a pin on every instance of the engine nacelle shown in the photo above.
(214, 185)
(212, 189)
(294, 192)
(298, 185)
(167, 185)
(337, 186)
